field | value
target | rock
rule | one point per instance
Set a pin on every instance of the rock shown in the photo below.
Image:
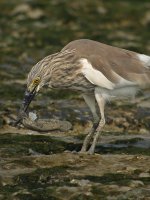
(144, 175)
(101, 10)
(136, 183)
(130, 169)
(26, 9)
(45, 125)
(35, 13)
(21, 8)
(124, 189)
(82, 182)
(6, 180)
(34, 153)
(126, 124)
(144, 131)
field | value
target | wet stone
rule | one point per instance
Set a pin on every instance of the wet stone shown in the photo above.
(45, 125)
(144, 131)
(144, 175)
(124, 189)
(136, 183)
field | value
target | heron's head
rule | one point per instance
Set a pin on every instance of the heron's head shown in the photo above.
(37, 78)
(41, 74)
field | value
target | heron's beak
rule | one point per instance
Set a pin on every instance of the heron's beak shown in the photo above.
(28, 97)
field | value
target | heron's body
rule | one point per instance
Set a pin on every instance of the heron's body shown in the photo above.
(99, 71)
(117, 72)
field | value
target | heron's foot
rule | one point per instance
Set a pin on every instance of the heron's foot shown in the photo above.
(91, 151)
(83, 149)
(82, 152)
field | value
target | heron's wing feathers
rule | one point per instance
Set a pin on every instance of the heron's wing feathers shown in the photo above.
(121, 70)
(118, 66)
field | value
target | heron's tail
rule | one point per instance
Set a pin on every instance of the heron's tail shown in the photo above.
(145, 59)
(144, 78)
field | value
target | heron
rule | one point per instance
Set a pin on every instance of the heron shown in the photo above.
(99, 71)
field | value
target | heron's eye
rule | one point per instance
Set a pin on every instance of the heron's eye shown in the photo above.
(36, 81)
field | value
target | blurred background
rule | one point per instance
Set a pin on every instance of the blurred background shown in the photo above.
(33, 29)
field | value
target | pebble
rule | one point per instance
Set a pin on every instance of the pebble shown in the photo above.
(130, 169)
(124, 189)
(82, 182)
(144, 131)
(34, 153)
(136, 183)
(144, 175)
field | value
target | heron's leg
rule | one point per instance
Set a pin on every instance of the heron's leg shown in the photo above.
(101, 103)
(90, 100)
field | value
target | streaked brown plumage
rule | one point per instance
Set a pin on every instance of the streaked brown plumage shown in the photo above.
(99, 71)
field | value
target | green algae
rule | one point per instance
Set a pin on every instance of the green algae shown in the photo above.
(20, 145)
(37, 184)
(134, 146)
(14, 144)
